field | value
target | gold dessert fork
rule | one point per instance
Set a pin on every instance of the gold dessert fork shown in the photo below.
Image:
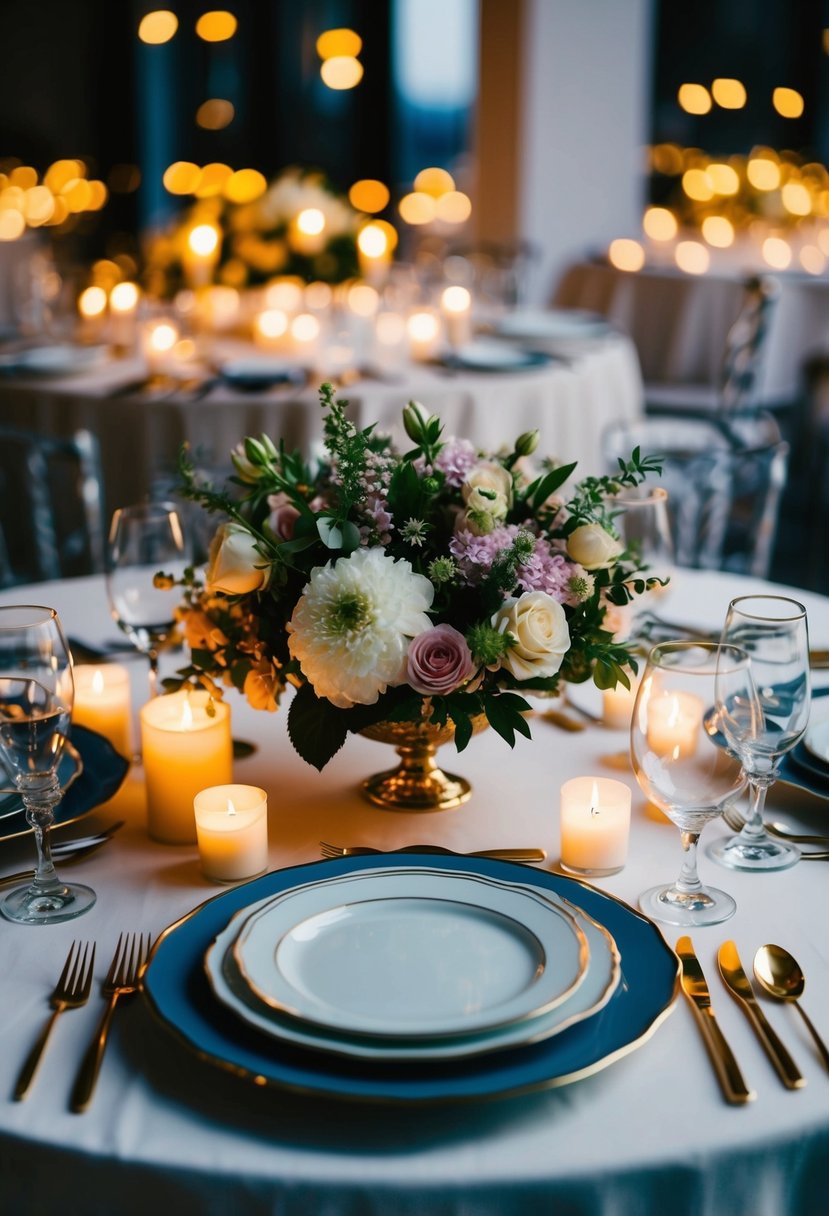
(128, 962)
(71, 991)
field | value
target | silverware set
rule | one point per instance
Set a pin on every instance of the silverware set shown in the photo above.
(72, 991)
(780, 977)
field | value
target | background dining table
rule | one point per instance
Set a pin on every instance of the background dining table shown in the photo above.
(649, 1134)
(572, 398)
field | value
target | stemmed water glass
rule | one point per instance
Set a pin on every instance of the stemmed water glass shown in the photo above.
(773, 630)
(145, 540)
(36, 696)
(680, 766)
(641, 517)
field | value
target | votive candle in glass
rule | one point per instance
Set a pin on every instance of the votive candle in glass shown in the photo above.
(232, 831)
(595, 825)
(186, 746)
(103, 703)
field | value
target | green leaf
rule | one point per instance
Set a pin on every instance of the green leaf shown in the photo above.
(504, 714)
(541, 490)
(316, 728)
(463, 726)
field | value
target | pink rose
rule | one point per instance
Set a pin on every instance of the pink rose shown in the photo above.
(439, 661)
(283, 516)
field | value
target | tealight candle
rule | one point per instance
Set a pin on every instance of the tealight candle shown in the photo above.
(617, 704)
(674, 721)
(158, 340)
(232, 830)
(595, 825)
(103, 703)
(186, 745)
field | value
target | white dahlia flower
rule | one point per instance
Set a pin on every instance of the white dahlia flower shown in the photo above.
(350, 628)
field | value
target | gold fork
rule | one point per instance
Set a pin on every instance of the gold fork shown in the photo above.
(71, 991)
(331, 851)
(128, 962)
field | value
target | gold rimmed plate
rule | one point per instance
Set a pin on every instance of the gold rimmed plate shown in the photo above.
(179, 994)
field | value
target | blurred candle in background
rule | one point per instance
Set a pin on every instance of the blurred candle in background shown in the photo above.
(103, 703)
(123, 314)
(158, 339)
(424, 332)
(92, 307)
(456, 308)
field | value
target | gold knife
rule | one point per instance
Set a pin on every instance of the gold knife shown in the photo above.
(696, 989)
(739, 985)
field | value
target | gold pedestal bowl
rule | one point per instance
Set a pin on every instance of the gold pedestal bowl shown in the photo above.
(417, 784)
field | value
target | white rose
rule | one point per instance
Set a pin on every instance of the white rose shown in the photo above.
(539, 627)
(593, 547)
(233, 561)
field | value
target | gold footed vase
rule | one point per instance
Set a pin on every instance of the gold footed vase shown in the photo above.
(417, 784)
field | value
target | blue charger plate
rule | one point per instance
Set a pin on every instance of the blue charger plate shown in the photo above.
(179, 994)
(103, 770)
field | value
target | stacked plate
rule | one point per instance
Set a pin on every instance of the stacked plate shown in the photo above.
(807, 765)
(412, 978)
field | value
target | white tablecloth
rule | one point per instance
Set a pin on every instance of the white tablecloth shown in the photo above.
(569, 401)
(678, 322)
(650, 1134)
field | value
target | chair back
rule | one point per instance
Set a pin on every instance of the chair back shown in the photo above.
(745, 346)
(724, 482)
(51, 506)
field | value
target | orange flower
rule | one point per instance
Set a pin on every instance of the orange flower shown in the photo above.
(262, 687)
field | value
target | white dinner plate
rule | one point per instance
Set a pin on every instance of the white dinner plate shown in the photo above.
(232, 991)
(255, 372)
(62, 359)
(411, 954)
(553, 324)
(483, 356)
(816, 740)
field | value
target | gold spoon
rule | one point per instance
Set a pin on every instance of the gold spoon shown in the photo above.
(780, 975)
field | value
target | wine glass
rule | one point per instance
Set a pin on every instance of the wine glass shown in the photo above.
(682, 768)
(36, 695)
(145, 540)
(774, 632)
(641, 517)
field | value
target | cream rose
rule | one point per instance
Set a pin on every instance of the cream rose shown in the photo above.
(593, 547)
(234, 563)
(538, 626)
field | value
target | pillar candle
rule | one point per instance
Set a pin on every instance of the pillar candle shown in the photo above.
(674, 720)
(103, 703)
(185, 749)
(595, 825)
(424, 335)
(232, 829)
(455, 306)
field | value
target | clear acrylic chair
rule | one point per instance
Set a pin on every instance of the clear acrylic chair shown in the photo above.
(724, 481)
(51, 506)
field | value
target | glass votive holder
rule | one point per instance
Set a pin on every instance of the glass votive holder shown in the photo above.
(595, 825)
(232, 831)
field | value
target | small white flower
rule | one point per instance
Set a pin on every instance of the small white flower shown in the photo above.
(234, 563)
(350, 628)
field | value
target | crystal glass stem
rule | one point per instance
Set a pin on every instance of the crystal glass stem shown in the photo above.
(688, 882)
(152, 656)
(754, 828)
(40, 797)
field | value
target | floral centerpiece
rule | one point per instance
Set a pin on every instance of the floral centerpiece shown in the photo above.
(263, 238)
(433, 585)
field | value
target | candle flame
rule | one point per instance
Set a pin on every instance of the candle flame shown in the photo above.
(675, 754)
(231, 809)
(186, 716)
(594, 799)
(98, 682)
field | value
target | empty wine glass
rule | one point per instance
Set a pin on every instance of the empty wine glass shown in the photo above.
(36, 695)
(681, 767)
(773, 630)
(145, 540)
(641, 517)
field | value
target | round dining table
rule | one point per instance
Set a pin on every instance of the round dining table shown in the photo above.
(648, 1133)
(569, 396)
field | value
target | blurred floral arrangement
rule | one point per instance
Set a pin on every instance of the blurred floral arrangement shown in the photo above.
(388, 586)
(299, 226)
